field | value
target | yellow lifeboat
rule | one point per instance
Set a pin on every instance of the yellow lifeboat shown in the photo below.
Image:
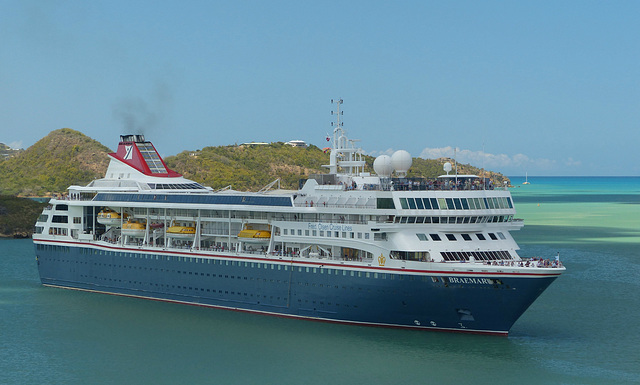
(249, 234)
(181, 231)
(134, 229)
(109, 217)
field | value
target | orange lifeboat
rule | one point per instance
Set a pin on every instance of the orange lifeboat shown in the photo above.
(134, 228)
(248, 234)
(181, 232)
(109, 217)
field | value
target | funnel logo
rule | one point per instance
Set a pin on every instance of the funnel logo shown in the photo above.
(128, 152)
(381, 260)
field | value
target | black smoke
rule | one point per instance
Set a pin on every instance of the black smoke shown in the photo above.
(140, 116)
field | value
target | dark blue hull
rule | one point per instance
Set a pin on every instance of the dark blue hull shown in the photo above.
(478, 303)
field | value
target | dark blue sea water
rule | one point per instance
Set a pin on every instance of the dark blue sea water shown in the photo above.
(583, 330)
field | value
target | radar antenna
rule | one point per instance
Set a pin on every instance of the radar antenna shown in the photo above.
(351, 161)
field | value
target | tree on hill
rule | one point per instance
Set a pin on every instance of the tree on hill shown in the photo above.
(248, 167)
(63, 157)
(18, 215)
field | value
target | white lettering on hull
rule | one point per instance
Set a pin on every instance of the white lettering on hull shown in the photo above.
(475, 281)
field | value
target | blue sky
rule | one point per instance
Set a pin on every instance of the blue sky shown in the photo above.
(544, 87)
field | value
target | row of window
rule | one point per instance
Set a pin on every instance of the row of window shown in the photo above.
(458, 220)
(456, 203)
(328, 234)
(421, 256)
(477, 255)
(209, 261)
(248, 200)
(226, 293)
(58, 231)
(448, 256)
(314, 270)
(55, 248)
(263, 296)
(60, 219)
(466, 237)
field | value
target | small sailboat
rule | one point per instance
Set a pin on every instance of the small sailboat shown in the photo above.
(526, 179)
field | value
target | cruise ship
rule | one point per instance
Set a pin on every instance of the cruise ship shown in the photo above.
(350, 246)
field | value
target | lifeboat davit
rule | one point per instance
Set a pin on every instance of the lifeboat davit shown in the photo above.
(110, 218)
(134, 229)
(181, 232)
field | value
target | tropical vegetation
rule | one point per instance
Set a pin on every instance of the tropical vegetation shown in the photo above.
(62, 158)
(18, 215)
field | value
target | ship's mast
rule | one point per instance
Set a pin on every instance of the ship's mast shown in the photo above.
(344, 153)
(338, 131)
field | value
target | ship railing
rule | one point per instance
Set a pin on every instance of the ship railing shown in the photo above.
(452, 182)
(415, 184)
(541, 262)
(312, 203)
(438, 185)
(296, 255)
(73, 196)
(527, 262)
(343, 219)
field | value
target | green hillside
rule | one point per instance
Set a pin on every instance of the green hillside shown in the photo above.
(253, 167)
(66, 157)
(62, 158)
(249, 167)
(18, 216)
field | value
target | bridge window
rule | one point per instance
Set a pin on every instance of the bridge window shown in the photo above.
(60, 219)
(449, 205)
(387, 203)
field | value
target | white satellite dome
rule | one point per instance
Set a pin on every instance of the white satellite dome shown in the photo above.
(447, 167)
(382, 165)
(401, 161)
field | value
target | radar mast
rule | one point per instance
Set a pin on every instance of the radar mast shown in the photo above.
(344, 154)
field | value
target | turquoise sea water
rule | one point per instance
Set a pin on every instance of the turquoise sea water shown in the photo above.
(582, 330)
